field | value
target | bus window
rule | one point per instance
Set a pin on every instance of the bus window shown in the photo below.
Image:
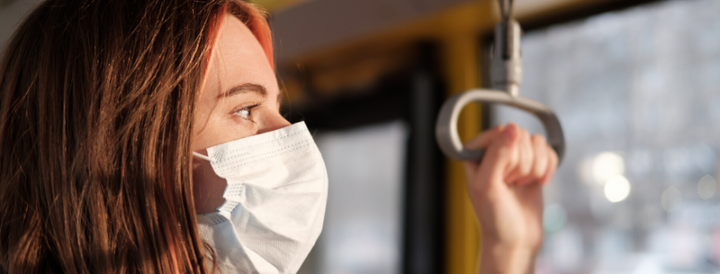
(637, 93)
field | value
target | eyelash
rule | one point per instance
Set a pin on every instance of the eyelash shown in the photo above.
(248, 109)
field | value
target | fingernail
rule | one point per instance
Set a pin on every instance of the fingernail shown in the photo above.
(510, 132)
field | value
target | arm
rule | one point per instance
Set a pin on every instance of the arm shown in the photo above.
(505, 190)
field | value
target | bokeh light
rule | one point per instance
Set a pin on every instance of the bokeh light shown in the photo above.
(706, 187)
(671, 197)
(606, 165)
(617, 188)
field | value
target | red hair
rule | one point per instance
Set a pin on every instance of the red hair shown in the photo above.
(96, 121)
(254, 18)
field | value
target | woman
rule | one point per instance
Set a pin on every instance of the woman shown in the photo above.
(145, 137)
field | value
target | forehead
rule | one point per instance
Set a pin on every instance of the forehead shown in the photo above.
(235, 35)
(237, 58)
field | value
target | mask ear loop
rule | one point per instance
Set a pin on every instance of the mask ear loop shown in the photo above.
(204, 157)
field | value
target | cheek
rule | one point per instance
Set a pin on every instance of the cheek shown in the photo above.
(217, 130)
(207, 187)
(202, 129)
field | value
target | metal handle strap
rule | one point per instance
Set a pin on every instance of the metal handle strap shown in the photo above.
(506, 9)
(446, 127)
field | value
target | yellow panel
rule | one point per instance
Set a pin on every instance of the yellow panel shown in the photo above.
(462, 241)
(458, 31)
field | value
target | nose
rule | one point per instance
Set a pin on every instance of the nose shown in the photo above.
(272, 122)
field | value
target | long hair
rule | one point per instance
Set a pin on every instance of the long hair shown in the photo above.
(97, 100)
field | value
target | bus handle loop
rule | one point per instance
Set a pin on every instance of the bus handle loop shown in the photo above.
(446, 127)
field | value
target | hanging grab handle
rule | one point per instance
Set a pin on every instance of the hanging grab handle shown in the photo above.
(506, 75)
(446, 127)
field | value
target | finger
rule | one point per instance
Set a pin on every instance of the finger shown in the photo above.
(552, 165)
(528, 160)
(540, 165)
(500, 156)
(485, 138)
(525, 159)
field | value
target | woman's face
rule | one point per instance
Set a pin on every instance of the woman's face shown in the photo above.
(239, 98)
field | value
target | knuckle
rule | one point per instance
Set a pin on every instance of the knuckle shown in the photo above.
(539, 173)
(525, 167)
(540, 168)
(497, 150)
(525, 171)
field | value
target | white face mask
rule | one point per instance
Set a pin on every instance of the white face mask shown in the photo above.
(275, 201)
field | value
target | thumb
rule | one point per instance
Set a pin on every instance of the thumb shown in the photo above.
(500, 158)
(481, 141)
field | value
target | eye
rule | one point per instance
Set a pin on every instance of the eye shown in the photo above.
(245, 113)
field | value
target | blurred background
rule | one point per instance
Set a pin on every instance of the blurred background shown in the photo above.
(634, 83)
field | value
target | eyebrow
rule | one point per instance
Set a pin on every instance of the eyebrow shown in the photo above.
(250, 87)
(245, 88)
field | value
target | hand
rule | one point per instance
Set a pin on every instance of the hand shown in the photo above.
(506, 193)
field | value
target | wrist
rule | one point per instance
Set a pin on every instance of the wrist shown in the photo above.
(506, 259)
